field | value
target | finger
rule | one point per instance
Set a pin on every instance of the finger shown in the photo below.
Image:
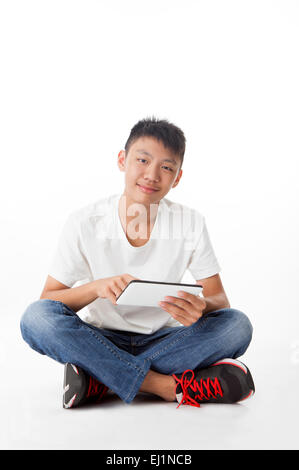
(122, 284)
(178, 311)
(183, 304)
(195, 300)
(115, 289)
(128, 278)
(182, 319)
(111, 296)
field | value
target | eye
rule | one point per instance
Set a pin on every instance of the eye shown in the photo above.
(168, 168)
(144, 160)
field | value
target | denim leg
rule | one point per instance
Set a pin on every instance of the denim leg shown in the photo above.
(52, 328)
(219, 334)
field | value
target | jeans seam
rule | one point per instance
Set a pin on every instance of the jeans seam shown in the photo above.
(138, 369)
(181, 335)
(141, 372)
(144, 342)
(92, 332)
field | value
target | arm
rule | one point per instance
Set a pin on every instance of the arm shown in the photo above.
(214, 294)
(76, 297)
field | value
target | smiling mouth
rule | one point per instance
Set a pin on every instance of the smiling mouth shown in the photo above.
(147, 189)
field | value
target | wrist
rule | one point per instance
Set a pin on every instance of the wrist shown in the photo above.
(96, 288)
(215, 302)
(206, 305)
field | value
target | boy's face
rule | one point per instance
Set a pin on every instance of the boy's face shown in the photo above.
(149, 164)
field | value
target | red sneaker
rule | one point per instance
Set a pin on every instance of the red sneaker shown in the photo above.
(226, 381)
(80, 388)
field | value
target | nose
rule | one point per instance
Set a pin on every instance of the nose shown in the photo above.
(152, 174)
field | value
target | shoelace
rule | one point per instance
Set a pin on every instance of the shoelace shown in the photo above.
(203, 389)
(96, 388)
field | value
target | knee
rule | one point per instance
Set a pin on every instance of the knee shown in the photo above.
(241, 326)
(37, 317)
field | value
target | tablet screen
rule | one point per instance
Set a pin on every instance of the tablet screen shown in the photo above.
(150, 293)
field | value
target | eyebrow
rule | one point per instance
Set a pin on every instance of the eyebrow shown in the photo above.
(148, 154)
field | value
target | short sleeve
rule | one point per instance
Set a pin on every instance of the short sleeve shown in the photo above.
(69, 263)
(203, 262)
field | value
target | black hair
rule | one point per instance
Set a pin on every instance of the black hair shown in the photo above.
(171, 136)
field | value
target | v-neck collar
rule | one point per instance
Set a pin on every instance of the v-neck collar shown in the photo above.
(121, 231)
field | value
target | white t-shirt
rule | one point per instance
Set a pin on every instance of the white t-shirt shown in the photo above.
(93, 245)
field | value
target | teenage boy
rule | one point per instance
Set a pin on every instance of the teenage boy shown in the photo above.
(184, 349)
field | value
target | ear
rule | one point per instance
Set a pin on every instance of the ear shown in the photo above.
(176, 181)
(121, 160)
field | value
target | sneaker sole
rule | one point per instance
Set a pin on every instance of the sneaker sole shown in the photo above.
(75, 376)
(242, 366)
(233, 362)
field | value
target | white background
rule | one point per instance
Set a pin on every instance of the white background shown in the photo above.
(75, 77)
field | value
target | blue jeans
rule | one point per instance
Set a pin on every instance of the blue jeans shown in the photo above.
(122, 359)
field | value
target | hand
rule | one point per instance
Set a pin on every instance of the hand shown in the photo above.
(186, 309)
(111, 287)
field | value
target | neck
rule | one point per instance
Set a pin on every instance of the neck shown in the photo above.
(146, 214)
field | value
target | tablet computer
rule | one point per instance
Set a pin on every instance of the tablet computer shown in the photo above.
(150, 293)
